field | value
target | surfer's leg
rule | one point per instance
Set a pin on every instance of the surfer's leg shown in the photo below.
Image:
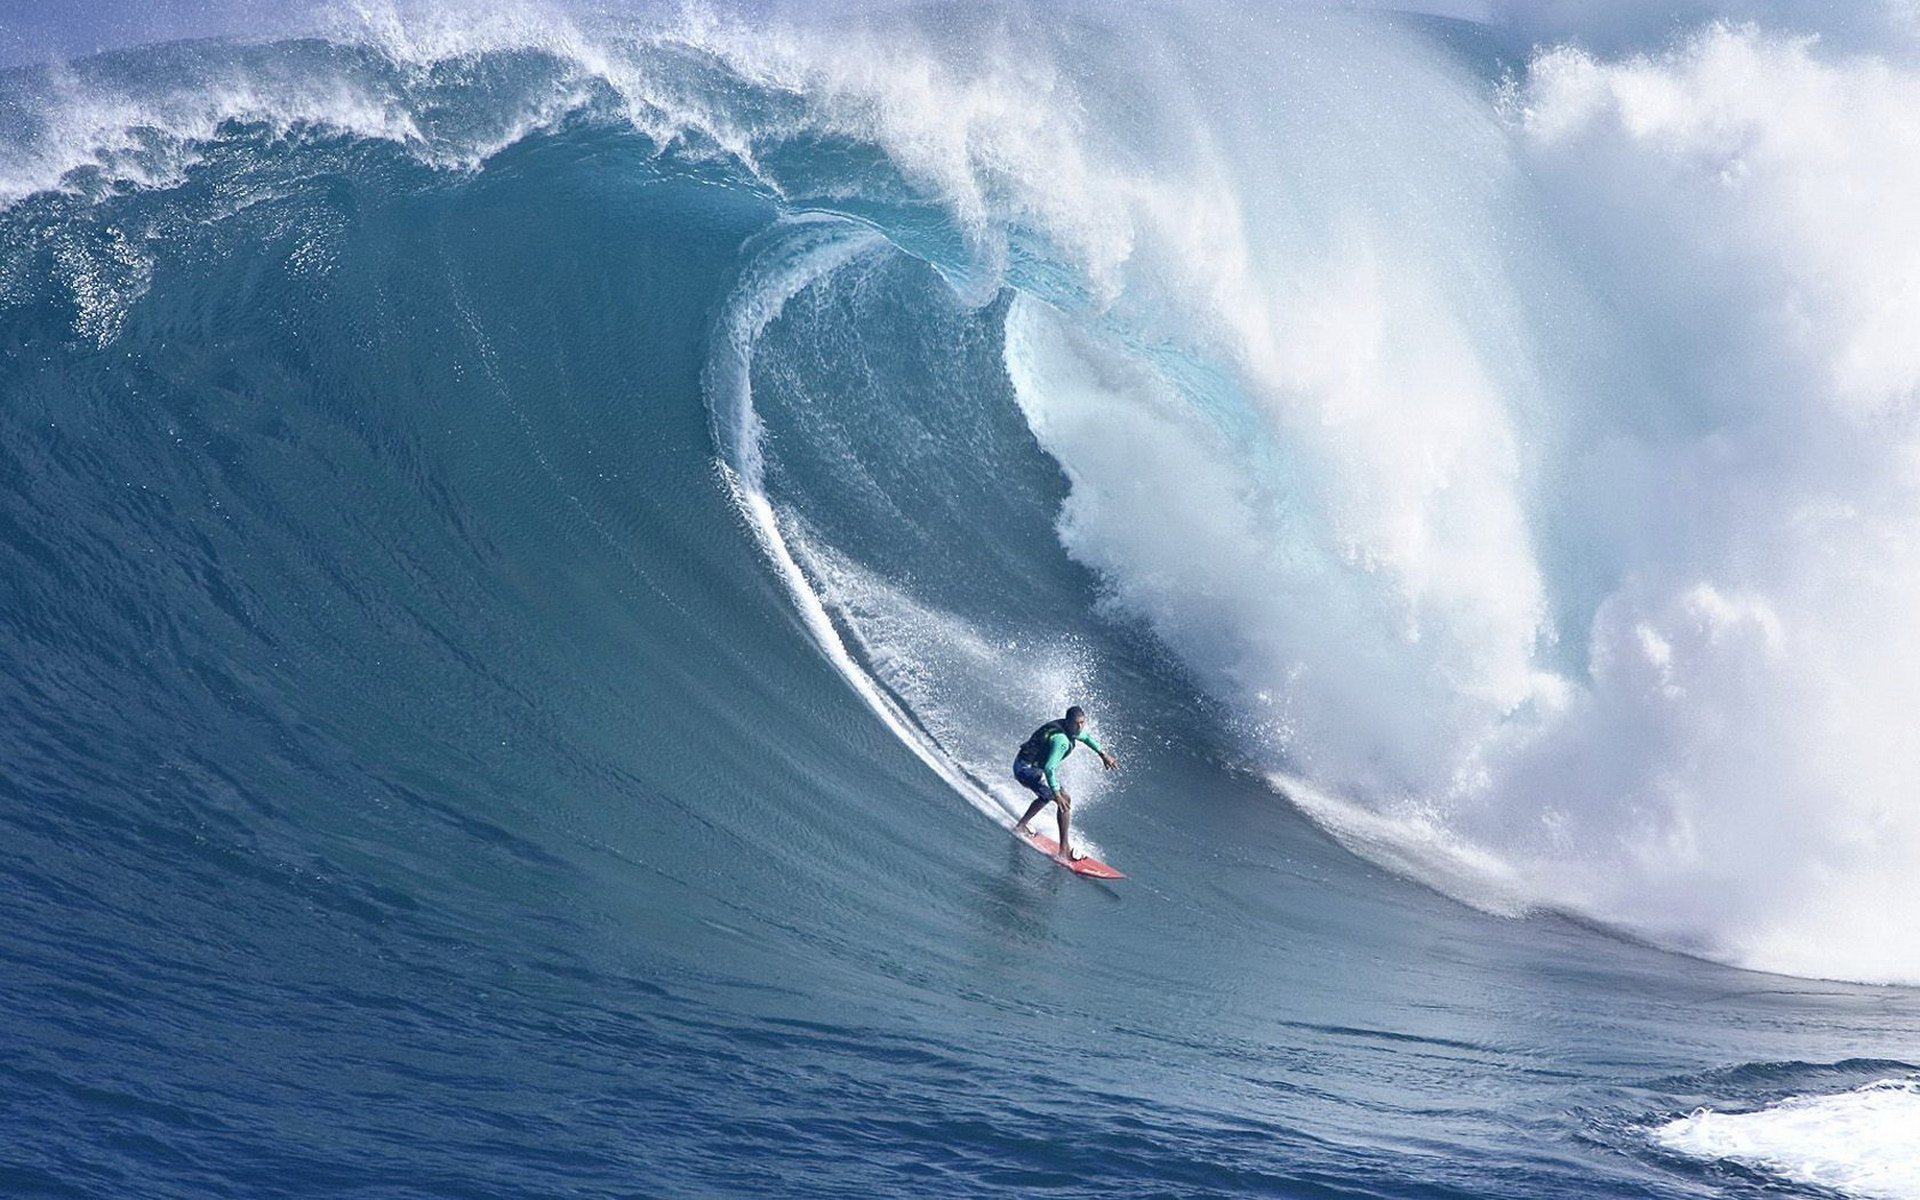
(1066, 816)
(1030, 778)
(1033, 810)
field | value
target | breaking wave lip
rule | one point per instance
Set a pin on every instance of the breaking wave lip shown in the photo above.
(1613, 629)
(1857, 1143)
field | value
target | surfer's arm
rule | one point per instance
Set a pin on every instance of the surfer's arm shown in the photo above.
(1106, 759)
(1057, 746)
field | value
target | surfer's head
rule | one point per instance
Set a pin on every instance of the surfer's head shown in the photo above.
(1076, 718)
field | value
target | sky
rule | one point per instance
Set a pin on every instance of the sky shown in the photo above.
(34, 30)
(31, 30)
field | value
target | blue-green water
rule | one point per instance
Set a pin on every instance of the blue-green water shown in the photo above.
(510, 623)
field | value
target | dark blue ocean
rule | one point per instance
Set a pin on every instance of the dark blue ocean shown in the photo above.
(526, 551)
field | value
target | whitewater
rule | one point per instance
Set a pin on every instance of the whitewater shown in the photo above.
(528, 542)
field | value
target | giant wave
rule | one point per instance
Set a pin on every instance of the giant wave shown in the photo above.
(643, 473)
(1540, 499)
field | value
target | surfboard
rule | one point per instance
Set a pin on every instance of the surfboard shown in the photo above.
(1091, 867)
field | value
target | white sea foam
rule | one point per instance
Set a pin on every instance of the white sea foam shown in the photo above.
(1858, 1143)
(1360, 544)
(1731, 774)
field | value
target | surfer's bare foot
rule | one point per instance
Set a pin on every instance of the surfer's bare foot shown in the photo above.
(1075, 854)
(1021, 829)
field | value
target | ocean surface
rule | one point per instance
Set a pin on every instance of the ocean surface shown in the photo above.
(527, 546)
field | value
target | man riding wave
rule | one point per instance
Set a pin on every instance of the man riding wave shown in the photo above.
(1034, 765)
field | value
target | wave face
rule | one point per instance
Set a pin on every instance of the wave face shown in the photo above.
(525, 552)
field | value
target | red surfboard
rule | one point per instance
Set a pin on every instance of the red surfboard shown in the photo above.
(1092, 868)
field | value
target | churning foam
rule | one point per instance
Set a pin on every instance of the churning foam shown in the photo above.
(1581, 542)
(1730, 773)
(1858, 1143)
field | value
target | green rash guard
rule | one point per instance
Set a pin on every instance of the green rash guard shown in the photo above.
(1059, 745)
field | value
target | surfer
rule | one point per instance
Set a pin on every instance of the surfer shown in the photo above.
(1034, 765)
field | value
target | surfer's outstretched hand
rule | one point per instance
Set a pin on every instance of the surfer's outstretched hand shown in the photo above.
(1109, 760)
